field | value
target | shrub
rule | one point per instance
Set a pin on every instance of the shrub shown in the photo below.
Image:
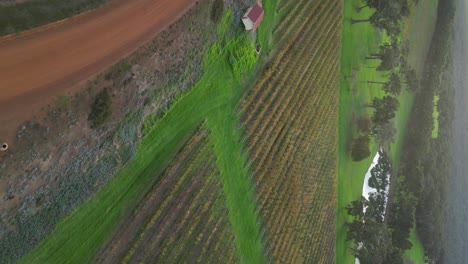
(217, 10)
(364, 124)
(242, 56)
(101, 109)
(118, 70)
(148, 124)
(360, 149)
(62, 100)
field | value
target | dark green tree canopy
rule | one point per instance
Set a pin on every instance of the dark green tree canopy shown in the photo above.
(385, 108)
(384, 133)
(389, 56)
(360, 148)
(411, 79)
(393, 86)
(101, 109)
(387, 16)
(379, 173)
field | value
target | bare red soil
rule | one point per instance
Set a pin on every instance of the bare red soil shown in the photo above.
(37, 65)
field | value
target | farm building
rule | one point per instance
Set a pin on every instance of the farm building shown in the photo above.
(253, 17)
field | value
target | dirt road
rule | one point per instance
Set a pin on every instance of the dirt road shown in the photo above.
(57, 58)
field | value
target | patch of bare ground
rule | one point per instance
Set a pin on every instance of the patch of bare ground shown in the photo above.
(58, 161)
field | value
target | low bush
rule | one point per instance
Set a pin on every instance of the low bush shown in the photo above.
(217, 10)
(101, 109)
(360, 149)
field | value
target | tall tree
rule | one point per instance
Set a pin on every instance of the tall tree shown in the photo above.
(368, 4)
(360, 148)
(385, 108)
(389, 56)
(380, 172)
(386, 50)
(387, 16)
(384, 133)
(356, 207)
(393, 86)
(375, 245)
(412, 81)
(376, 208)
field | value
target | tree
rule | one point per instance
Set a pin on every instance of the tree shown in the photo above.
(389, 56)
(373, 239)
(360, 148)
(412, 81)
(395, 256)
(385, 108)
(380, 172)
(354, 230)
(399, 6)
(401, 217)
(364, 124)
(404, 8)
(368, 4)
(375, 245)
(387, 17)
(376, 208)
(385, 50)
(393, 86)
(356, 208)
(384, 133)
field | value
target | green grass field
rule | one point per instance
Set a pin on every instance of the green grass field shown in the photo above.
(416, 254)
(358, 41)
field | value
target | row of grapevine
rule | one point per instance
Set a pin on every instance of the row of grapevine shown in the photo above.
(181, 219)
(291, 126)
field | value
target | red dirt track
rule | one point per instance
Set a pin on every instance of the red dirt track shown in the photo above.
(55, 59)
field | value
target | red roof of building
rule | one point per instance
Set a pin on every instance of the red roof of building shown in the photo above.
(256, 13)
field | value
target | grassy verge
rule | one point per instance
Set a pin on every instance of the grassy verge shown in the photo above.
(214, 99)
(358, 41)
(31, 14)
(416, 253)
(269, 19)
